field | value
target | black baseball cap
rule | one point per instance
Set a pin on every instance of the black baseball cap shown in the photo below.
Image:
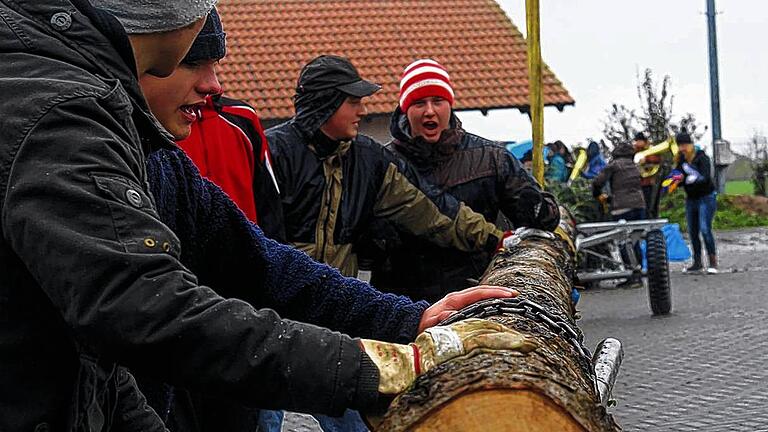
(334, 72)
(683, 138)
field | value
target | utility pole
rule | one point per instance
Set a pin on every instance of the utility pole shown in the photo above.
(714, 87)
(534, 88)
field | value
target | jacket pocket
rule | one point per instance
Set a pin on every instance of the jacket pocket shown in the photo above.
(94, 400)
(135, 219)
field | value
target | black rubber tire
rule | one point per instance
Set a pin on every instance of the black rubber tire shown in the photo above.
(658, 273)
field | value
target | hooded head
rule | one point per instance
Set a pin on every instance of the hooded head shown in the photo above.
(177, 100)
(155, 16)
(623, 151)
(160, 31)
(593, 150)
(324, 84)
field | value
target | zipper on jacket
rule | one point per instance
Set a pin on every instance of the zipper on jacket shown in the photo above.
(329, 189)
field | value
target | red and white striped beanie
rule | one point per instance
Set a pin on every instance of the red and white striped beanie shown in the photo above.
(424, 78)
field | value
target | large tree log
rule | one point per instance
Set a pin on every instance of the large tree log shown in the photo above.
(551, 388)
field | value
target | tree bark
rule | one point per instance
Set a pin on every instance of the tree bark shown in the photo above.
(551, 388)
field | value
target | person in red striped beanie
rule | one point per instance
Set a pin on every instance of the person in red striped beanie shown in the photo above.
(477, 171)
(426, 86)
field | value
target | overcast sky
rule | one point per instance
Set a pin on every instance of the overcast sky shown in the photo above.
(597, 47)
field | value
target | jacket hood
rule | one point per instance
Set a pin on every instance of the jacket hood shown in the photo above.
(593, 149)
(85, 38)
(623, 151)
(314, 108)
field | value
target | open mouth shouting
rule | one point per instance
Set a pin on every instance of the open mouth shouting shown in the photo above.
(429, 125)
(430, 130)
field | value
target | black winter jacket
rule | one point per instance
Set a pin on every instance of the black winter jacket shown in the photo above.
(476, 171)
(329, 200)
(705, 185)
(91, 277)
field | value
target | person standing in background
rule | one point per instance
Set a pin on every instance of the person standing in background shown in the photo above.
(700, 202)
(649, 167)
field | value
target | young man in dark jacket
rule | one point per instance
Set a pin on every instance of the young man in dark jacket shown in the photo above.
(91, 277)
(474, 170)
(334, 181)
(700, 202)
(623, 176)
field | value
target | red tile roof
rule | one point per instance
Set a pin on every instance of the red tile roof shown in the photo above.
(268, 42)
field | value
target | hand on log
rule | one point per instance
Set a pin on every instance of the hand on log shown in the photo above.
(456, 301)
(399, 365)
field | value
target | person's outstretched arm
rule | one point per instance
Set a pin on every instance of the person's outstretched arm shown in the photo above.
(77, 215)
(232, 255)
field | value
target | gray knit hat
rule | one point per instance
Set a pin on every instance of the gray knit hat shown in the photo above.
(155, 16)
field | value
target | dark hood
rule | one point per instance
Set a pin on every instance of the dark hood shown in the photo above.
(593, 149)
(323, 85)
(416, 149)
(623, 151)
(313, 109)
(93, 41)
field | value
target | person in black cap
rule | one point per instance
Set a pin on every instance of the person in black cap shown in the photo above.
(334, 181)
(700, 202)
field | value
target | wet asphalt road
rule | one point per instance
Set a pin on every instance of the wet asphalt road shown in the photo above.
(703, 367)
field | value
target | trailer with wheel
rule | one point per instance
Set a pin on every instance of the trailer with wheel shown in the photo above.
(609, 251)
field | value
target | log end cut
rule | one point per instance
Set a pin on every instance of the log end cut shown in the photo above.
(479, 411)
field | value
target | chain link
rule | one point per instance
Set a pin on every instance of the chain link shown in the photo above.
(526, 308)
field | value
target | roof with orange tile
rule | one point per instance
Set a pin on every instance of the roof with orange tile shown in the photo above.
(268, 41)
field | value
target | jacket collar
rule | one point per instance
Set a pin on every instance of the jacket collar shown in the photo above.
(420, 152)
(325, 147)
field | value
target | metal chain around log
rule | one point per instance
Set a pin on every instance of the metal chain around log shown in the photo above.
(552, 388)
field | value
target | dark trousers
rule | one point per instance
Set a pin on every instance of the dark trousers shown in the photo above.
(649, 201)
(699, 213)
(634, 214)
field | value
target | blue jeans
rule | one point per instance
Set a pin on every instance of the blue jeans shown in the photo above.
(699, 212)
(272, 421)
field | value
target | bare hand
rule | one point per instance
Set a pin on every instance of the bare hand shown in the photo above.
(456, 301)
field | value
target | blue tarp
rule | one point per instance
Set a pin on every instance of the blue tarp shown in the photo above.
(677, 248)
(518, 149)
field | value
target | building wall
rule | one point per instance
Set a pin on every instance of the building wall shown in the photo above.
(376, 127)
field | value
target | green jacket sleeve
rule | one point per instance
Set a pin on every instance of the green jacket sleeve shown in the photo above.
(419, 208)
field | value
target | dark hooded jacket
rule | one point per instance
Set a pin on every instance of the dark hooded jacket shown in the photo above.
(476, 171)
(91, 278)
(703, 165)
(332, 190)
(596, 162)
(624, 178)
